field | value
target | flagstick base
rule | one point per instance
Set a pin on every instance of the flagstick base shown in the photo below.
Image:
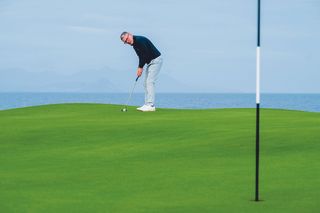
(257, 151)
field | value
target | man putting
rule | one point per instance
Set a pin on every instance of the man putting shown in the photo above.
(148, 54)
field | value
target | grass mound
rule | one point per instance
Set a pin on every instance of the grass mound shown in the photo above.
(94, 158)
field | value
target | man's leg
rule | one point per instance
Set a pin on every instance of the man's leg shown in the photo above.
(145, 87)
(152, 73)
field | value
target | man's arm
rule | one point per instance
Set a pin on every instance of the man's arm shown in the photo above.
(142, 61)
(141, 49)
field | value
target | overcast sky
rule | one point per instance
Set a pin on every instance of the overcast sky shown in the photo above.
(209, 45)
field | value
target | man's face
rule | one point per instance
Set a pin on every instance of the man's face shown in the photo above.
(126, 39)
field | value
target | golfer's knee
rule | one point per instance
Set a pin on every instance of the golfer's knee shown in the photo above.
(151, 82)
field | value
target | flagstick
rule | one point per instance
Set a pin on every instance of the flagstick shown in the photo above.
(258, 108)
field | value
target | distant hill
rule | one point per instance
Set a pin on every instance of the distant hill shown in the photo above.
(95, 80)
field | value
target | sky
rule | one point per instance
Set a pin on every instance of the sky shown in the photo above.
(207, 45)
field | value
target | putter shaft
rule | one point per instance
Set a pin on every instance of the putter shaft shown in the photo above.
(135, 82)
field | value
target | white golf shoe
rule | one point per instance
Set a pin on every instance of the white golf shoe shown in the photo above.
(139, 108)
(147, 108)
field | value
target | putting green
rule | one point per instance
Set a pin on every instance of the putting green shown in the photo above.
(95, 158)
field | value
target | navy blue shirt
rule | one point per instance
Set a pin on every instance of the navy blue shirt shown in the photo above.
(145, 50)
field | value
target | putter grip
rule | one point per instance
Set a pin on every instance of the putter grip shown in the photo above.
(137, 78)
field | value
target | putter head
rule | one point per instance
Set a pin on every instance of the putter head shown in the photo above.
(124, 110)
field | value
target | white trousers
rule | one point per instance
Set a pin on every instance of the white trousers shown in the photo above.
(151, 74)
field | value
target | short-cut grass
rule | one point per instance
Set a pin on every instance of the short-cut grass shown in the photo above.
(95, 158)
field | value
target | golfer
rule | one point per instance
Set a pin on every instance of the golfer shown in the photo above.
(148, 54)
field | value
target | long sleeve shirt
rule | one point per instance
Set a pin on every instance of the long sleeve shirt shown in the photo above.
(145, 50)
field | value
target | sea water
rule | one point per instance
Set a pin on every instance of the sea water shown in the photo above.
(304, 102)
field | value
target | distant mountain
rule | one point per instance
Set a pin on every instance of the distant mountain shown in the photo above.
(24, 81)
(96, 80)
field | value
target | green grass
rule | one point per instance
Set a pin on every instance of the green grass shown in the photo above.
(94, 158)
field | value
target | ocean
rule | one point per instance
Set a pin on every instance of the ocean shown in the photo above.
(304, 102)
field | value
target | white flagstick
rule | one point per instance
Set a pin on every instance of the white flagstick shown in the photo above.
(258, 76)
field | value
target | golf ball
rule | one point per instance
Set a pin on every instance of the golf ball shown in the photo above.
(124, 110)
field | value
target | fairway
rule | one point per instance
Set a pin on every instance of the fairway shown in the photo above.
(94, 158)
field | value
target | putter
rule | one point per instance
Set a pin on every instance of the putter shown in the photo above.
(124, 109)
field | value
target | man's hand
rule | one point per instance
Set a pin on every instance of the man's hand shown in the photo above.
(139, 71)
